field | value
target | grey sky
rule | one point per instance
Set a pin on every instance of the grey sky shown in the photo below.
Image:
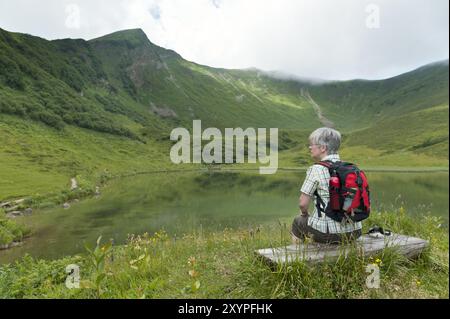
(325, 39)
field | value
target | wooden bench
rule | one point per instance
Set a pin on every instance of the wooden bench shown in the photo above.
(367, 244)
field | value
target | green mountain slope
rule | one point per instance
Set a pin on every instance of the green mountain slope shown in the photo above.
(168, 85)
(49, 81)
(125, 85)
(360, 103)
(406, 113)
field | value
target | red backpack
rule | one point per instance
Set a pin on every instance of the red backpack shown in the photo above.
(349, 193)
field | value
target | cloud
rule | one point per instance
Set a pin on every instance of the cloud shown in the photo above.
(155, 12)
(325, 39)
(216, 3)
(73, 16)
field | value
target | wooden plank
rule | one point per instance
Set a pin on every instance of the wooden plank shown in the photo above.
(367, 245)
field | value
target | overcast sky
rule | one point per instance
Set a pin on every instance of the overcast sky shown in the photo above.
(325, 39)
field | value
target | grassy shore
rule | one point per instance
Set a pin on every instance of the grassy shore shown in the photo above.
(11, 232)
(223, 265)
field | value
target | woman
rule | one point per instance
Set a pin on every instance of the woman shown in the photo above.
(324, 145)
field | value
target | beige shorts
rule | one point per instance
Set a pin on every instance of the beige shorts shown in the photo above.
(301, 229)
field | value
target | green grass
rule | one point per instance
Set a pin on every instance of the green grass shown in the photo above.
(36, 160)
(423, 132)
(223, 264)
(371, 158)
(11, 232)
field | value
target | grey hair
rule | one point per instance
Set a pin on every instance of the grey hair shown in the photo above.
(328, 137)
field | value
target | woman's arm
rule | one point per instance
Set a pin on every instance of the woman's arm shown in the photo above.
(307, 190)
(304, 204)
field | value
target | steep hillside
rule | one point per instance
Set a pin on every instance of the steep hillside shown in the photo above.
(52, 82)
(360, 103)
(406, 113)
(125, 85)
(180, 90)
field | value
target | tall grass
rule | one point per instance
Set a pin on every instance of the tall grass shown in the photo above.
(224, 265)
(10, 231)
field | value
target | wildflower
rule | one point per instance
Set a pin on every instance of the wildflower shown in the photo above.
(191, 261)
(418, 282)
(195, 286)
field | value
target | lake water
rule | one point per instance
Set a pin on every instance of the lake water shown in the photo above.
(182, 202)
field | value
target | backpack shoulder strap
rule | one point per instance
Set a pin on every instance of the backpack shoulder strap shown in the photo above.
(320, 204)
(328, 164)
(331, 165)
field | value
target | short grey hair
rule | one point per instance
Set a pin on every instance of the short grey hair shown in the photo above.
(328, 137)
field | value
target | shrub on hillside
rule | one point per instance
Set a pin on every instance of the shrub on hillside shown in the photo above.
(12, 108)
(48, 118)
(10, 73)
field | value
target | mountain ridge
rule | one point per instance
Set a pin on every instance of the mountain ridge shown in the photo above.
(300, 78)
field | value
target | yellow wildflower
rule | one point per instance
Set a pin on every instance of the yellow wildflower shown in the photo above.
(191, 261)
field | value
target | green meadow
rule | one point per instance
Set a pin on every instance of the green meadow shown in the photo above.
(223, 263)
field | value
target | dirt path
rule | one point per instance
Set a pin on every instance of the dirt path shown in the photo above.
(325, 122)
(74, 184)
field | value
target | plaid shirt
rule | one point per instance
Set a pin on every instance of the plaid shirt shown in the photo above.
(318, 177)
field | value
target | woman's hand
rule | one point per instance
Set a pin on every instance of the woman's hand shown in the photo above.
(304, 214)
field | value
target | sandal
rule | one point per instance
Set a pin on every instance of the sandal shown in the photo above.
(377, 229)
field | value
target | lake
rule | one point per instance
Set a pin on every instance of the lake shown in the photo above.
(182, 202)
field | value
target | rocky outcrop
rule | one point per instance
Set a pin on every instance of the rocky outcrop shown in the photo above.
(18, 213)
(11, 245)
(14, 214)
(14, 208)
(11, 205)
(162, 111)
